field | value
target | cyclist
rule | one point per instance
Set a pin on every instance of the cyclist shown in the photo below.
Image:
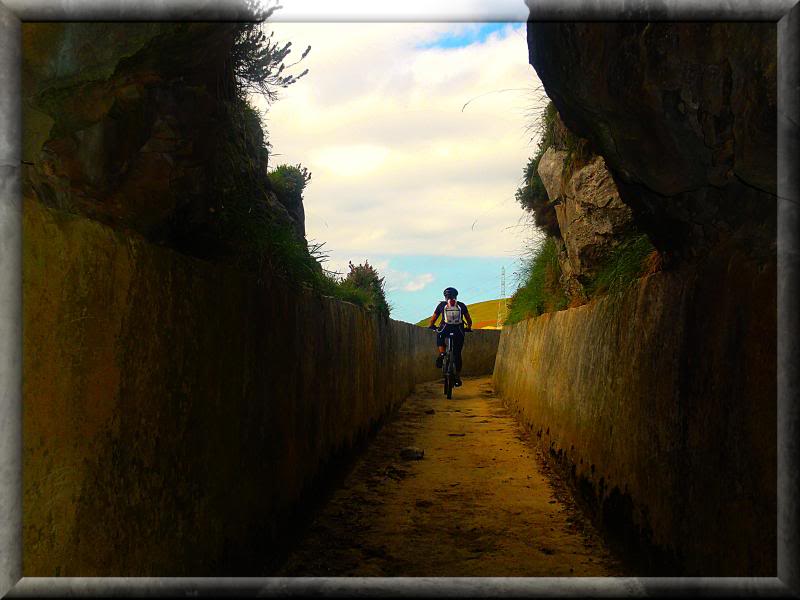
(454, 314)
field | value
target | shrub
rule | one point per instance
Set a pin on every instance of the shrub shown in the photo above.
(259, 62)
(363, 285)
(288, 183)
(541, 289)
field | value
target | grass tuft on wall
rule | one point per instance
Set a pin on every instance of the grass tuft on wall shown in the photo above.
(541, 289)
(626, 263)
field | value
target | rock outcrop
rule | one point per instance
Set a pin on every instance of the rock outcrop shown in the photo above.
(551, 168)
(591, 216)
(136, 125)
(684, 115)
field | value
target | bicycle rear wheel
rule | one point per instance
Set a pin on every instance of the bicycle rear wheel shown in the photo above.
(449, 381)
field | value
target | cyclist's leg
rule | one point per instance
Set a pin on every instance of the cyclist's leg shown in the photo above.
(440, 344)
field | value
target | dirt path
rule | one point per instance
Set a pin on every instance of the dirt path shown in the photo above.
(479, 503)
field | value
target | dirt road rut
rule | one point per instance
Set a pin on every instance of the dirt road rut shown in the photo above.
(478, 503)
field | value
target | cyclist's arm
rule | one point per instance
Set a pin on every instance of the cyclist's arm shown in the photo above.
(436, 314)
(467, 317)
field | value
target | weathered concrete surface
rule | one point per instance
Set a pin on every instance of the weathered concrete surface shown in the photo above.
(662, 405)
(175, 409)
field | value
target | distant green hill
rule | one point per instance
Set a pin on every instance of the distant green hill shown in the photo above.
(484, 315)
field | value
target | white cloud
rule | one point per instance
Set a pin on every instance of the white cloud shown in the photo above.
(355, 160)
(419, 282)
(399, 165)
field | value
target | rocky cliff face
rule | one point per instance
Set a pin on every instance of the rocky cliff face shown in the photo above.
(592, 219)
(684, 115)
(135, 125)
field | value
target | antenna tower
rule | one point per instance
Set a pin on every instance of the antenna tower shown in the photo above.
(501, 304)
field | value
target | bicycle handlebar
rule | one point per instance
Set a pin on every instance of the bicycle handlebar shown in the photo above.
(466, 329)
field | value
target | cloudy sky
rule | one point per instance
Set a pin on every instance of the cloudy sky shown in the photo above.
(416, 135)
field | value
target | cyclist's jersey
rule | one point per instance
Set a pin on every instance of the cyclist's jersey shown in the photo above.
(453, 315)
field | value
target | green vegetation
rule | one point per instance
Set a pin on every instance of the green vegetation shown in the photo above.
(632, 259)
(363, 285)
(259, 62)
(288, 183)
(260, 241)
(532, 195)
(241, 223)
(541, 290)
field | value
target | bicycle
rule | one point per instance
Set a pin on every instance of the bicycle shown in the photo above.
(449, 366)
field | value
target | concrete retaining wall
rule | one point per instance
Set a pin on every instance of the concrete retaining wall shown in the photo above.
(661, 405)
(174, 410)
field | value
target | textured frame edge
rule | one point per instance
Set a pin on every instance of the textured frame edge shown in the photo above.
(443, 11)
(447, 587)
(788, 372)
(10, 302)
(787, 584)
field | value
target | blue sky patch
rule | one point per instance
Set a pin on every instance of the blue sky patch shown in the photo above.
(466, 35)
(476, 278)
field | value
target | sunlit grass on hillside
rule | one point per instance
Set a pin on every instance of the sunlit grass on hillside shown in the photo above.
(484, 314)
